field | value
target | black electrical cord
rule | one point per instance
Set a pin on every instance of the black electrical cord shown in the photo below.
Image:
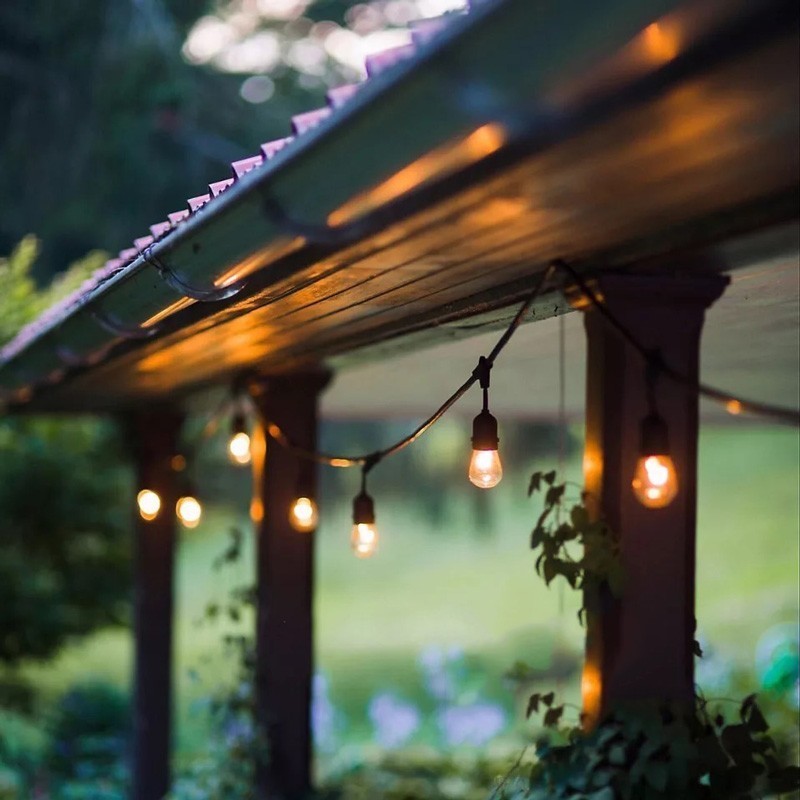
(654, 362)
(369, 460)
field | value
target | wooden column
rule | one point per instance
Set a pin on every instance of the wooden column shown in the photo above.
(640, 646)
(285, 591)
(153, 436)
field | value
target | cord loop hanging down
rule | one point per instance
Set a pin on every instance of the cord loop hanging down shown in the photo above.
(654, 364)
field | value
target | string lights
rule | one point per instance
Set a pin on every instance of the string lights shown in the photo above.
(304, 514)
(189, 511)
(149, 504)
(655, 482)
(485, 468)
(239, 444)
(364, 535)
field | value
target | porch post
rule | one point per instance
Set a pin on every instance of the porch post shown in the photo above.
(639, 647)
(153, 436)
(285, 590)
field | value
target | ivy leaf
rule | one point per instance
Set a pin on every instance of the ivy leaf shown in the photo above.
(554, 494)
(656, 773)
(784, 780)
(548, 571)
(549, 477)
(617, 755)
(696, 649)
(535, 483)
(755, 721)
(747, 703)
(533, 705)
(548, 698)
(537, 537)
(552, 716)
(736, 740)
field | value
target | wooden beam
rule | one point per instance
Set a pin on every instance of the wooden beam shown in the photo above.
(639, 647)
(285, 591)
(153, 436)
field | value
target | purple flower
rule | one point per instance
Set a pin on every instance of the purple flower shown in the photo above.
(473, 725)
(394, 720)
(323, 714)
(439, 668)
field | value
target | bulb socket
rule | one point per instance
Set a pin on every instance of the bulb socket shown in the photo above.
(654, 436)
(484, 432)
(363, 510)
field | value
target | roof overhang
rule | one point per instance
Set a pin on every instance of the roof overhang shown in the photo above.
(611, 134)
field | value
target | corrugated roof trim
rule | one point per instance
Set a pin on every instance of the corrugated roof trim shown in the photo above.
(422, 32)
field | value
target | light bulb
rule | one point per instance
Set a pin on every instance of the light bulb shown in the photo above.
(304, 515)
(239, 449)
(485, 469)
(655, 482)
(364, 539)
(364, 536)
(189, 511)
(239, 443)
(149, 504)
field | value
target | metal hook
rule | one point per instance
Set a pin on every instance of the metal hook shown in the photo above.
(316, 234)
(111, 324)
(177, 283)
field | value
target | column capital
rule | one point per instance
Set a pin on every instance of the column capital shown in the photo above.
(309, 382)
(683, 288)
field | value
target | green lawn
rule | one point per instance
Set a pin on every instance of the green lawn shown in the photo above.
(453, 585)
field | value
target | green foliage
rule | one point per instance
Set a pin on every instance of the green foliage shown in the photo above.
(573, 543)
(226, 768)
(651, 752)
(20, 299)
(660, 752)
(106, 128)
(65, 566)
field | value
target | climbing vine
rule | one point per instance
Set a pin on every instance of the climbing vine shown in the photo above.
(651, 751)
(571, 542)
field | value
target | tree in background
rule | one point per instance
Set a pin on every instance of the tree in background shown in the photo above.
(63, 528)
(116, 111)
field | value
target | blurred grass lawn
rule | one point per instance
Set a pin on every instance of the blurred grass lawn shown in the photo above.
(453, 585)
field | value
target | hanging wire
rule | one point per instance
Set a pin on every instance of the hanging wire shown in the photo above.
(369, 460)
(655, 361)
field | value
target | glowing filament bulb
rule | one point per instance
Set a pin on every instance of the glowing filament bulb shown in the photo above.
(364, 536)
(239, 444)
(655, 482)
(364, 539)
(239, 449)
(189, 511)
(304, 515)
(149, 504)
(485, 469)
